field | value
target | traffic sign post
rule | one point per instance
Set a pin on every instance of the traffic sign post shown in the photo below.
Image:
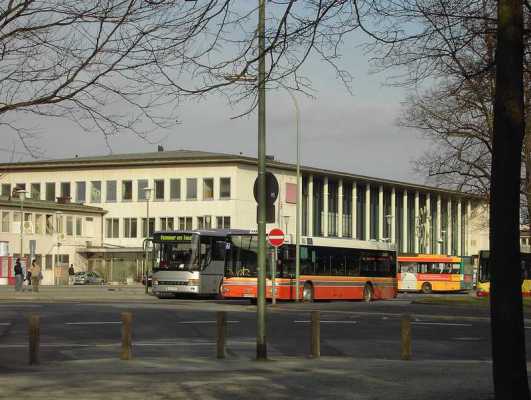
(275, 239)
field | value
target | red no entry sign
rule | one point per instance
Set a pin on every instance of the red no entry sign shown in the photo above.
(276, 237)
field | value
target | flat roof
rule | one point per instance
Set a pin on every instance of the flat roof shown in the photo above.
(174, 157)
(29, 204)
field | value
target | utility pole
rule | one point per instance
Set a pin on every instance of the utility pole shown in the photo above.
(261, 346)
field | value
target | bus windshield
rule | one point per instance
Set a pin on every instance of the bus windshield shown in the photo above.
(177, 256)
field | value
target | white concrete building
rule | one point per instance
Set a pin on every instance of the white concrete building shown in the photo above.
(193, 189)
(53, 233)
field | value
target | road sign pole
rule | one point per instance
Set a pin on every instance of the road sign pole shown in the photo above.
(261, 346)
(273, 276)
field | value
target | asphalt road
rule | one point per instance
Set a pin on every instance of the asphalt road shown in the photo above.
(187, 328)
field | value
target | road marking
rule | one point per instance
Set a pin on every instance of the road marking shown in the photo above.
(103, 345)
(440, 323)
(325, 322)
(5, 323)
(205, 322)
(528, 327)
(93, 323)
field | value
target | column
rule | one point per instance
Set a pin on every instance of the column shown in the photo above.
(404, 223)
(449, 228)
(428, 223)
(459, 225)
(417, 223)
(368, 212)
(468, 230)
(310, 205)
(380, 213)
(393, 216)
(299, 204)
(340, 208)
(439, 236)
(325, 207)
(354, 209)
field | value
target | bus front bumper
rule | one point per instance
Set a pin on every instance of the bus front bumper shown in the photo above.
(162, 289)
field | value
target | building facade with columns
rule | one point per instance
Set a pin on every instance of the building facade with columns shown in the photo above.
(185, 189)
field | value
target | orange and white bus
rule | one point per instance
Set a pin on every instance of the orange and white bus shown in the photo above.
(428, 273)
(330, 268)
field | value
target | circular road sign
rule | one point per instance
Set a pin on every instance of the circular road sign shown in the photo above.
(276, 237)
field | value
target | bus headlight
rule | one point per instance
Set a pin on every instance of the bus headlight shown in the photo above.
(193, 282)
(155, 282)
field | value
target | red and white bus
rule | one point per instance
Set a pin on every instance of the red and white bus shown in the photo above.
(330, 268)
(428, 273)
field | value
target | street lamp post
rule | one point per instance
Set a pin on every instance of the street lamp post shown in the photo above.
(147, 195)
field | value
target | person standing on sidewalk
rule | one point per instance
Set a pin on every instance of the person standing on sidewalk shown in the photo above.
(19, 277)
(71, 274)
(36, 275)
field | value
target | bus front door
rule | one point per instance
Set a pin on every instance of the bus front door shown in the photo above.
(409, 278)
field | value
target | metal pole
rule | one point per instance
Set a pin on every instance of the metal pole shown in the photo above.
(298, 204)
(147, 236)
(22, 229)
(261, 347)
(274, 276)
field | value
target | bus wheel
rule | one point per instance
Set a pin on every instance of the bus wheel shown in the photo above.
(368, 293)
(307, 292)
(426, 288)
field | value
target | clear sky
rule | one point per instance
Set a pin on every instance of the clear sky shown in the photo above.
(354, 132)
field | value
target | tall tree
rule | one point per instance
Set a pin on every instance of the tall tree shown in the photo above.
(508, 336)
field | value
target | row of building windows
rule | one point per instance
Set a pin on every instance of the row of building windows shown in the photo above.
(47, 224)
(130, 228)
(161, 189)
(60, 260)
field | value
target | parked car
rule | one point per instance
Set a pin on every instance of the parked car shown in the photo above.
(87, 278)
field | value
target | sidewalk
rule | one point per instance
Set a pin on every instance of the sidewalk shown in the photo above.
(72, 293)
(280, 378)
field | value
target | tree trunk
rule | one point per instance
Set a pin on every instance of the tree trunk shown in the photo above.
(508, 337)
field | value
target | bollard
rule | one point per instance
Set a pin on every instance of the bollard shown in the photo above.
(405, 328)
(222, 326)
(127, 320)
(316, 334)
(34, 339)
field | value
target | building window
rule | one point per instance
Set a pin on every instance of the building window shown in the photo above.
(6, 190)
(166, 224)
(159, 189)
(50, 191)
(185, 223)
(191, 189)
(224, 188)
(95, 192)
(49, 224)
(5, 221)
(89, 227)
(130, 227)
(49, 262)
(81, 192)
(35, 191)
(79, 226)
(39, 228)
(127, 190)
(59, 224)
(175, 189)
(142, 186)
(65, 189)
(208, 189)
(223, 222)
(151, 227)
(204, 222)
(69, 226)
(111, 191)
(20, 186)
(112, 228)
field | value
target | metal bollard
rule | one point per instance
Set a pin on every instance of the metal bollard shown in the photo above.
(316, 334)
(34, 339)
(127, 322)
(222, 326)
(405, 328)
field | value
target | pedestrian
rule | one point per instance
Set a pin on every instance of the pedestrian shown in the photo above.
(36, 275)
(71, 274)
(19, 277)
(28, 277)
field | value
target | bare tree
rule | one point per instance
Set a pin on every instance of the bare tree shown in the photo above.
(125, 65)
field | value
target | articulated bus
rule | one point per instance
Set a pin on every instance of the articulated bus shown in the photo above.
(188, 262)
(330, 268)
(483, 284)
(431, 273)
